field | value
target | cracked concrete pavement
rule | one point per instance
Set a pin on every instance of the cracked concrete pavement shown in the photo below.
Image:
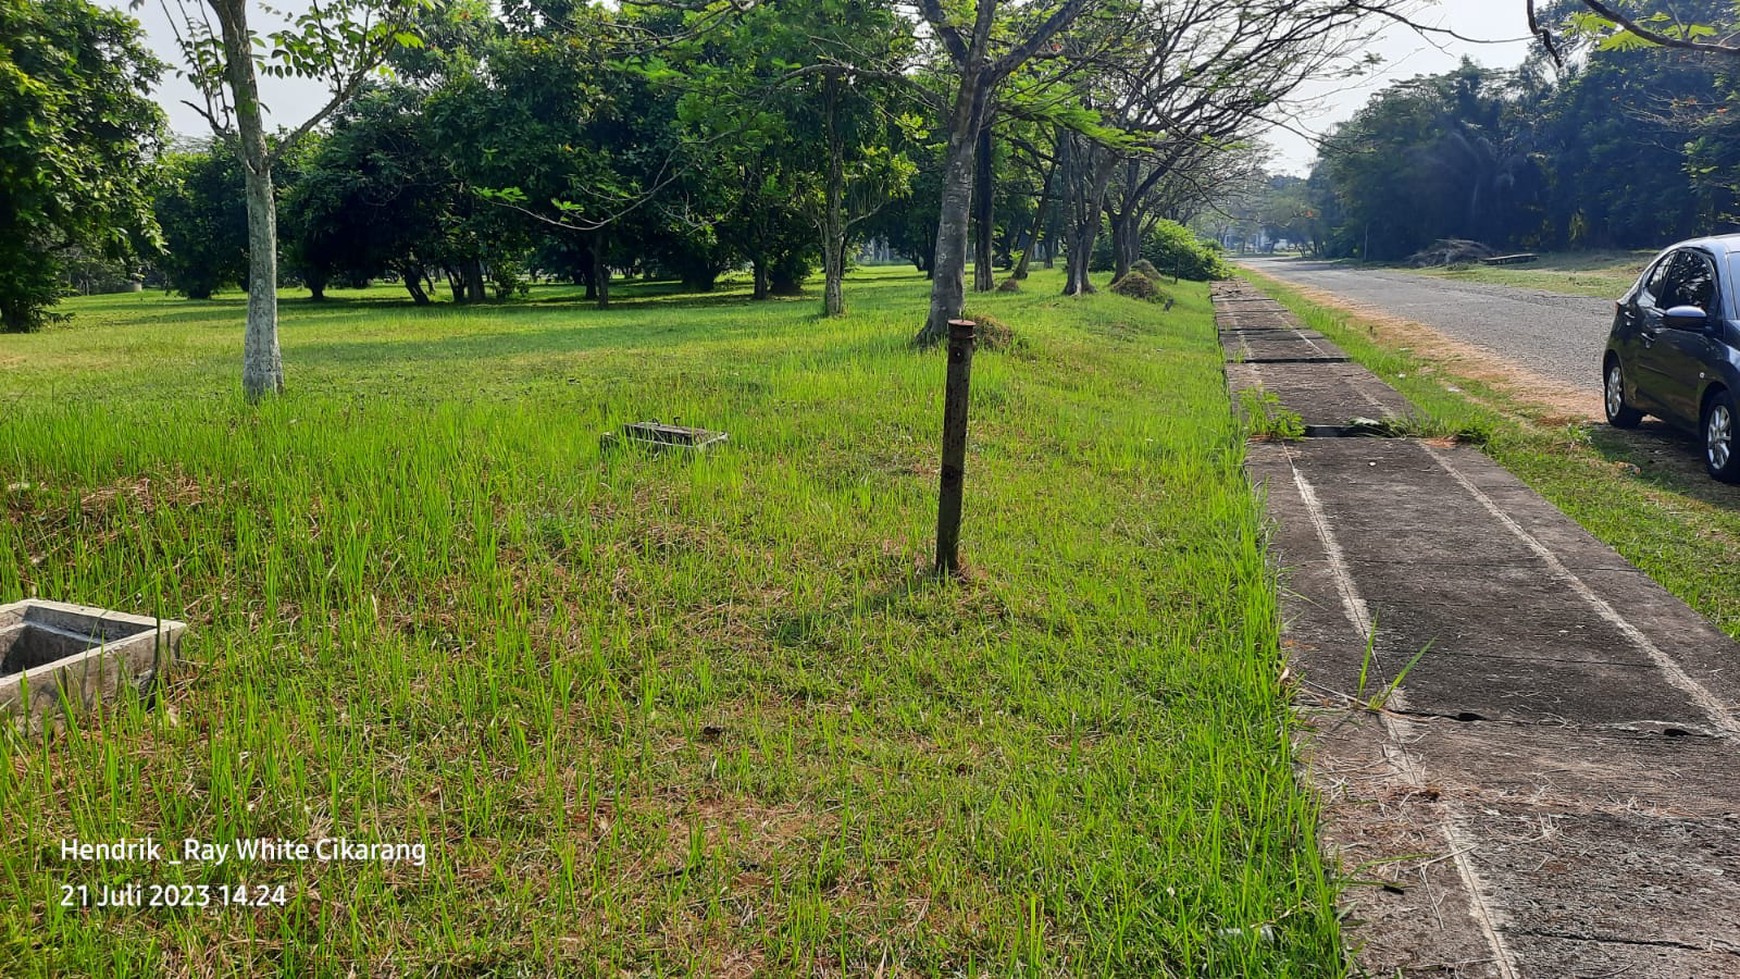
(1552, 788)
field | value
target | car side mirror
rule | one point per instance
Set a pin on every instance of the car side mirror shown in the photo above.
(1685, 318)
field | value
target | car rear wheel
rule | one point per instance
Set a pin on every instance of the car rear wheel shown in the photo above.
(1720, 455)
(1619, 414)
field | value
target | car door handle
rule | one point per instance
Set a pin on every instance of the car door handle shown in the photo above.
(1647, 337)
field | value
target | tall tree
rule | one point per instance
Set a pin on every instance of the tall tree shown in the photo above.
(1517, 159)
(1195, 78)
(1161, 74)
(861, 172)
(1395, 166)
(76, 130)
(567, 124)
(908, 224)
(341, 44)
(984, 53)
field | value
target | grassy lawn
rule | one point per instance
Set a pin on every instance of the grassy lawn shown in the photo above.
(661, 715)
(1643, 492)
(1603, 274)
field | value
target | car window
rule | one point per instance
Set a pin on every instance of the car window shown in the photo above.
(1733, 276)
(1656, 281)
(1691, 281)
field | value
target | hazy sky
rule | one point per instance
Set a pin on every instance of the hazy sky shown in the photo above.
(1405, 54)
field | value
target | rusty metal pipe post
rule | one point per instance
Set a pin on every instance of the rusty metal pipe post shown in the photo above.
(954, 448)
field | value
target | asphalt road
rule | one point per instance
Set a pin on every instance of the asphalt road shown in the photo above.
(1555, 335)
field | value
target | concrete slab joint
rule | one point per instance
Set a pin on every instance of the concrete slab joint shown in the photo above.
(1523, 745)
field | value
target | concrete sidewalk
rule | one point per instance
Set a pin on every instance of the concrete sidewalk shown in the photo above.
(1552, 788)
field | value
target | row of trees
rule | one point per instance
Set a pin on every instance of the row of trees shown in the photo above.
(699, 137)
(1596, 142)
(688, 138)
(556, 157)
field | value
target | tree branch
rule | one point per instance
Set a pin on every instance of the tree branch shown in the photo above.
(1060, 18)
(206, 112)
(1419, 28)
(1544, 36)
(338, 100)
(939, 22)
(1653, 36)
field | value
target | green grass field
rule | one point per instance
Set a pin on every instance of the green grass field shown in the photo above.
(1602, 274)
(661, 715)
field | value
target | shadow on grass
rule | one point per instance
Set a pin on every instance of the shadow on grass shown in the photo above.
(622, 331)
(815, 627)
(569, 324)
(626, 336)
(675, 297)
(231, 307)
(1666, 458)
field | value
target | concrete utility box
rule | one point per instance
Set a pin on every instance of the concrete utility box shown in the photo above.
(89, 653)
(658, 437)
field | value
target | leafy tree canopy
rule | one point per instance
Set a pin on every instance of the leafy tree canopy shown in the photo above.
(199, 205)
(76, 130)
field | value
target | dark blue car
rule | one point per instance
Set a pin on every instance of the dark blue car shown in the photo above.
(1675, 347)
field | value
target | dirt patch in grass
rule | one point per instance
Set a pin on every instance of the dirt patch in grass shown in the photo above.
(147, 494)
(141, 494)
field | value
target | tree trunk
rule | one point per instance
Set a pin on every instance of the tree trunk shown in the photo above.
(984, 215)
(948, 269)
(412, 276)
(1076, 260)
(1040, 217)
(14, 317)
(834, 274)
(834, 208)
(1126, 243)
(1070, 168)
(784, 278)
(262, 364)
(760, 267)
(1088, 187)
(474, 288)
(600, 272)
(455, 282)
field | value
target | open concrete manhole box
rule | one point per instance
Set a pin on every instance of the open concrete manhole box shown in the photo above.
(56, 657)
